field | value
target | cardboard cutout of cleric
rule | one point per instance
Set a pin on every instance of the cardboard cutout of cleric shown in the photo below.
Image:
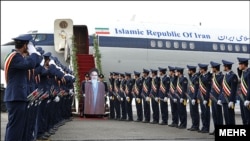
(94, 95)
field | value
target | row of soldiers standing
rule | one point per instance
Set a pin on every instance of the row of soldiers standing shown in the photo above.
(203, 90)
(39, 92)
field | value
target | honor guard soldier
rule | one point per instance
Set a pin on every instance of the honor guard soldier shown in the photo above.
(122, 95)
(16, 68)
(129, 97)
(217, 78)
(173, 99)
(117, 96)
(138, 98)
(101, 79)
(154, 96)
(193, 101)
(204, 97)
(146, 88)
(229, 90)
(181, 88)
(244, 75)
(111, 97)
(86, 79)
(163, 95)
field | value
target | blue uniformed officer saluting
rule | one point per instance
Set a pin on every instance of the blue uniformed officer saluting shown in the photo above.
(16, 67)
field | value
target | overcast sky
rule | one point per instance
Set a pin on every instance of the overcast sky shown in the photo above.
(20, 17)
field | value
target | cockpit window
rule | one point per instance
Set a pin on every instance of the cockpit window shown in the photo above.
(40, 37)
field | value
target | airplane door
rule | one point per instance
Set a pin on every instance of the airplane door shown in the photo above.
(63, 32)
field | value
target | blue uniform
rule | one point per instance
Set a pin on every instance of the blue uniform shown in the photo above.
(123, 97)
(155, 84)
(16, 94)
(146, 88)
(194, 108)
(128, 90)
(181, 88)
(163, 93)
(204, 98)
(172, 91)
(137, 92)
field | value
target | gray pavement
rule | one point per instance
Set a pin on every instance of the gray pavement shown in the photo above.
(105, 129)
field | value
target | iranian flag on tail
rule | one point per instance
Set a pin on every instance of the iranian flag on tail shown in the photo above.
(102, 30)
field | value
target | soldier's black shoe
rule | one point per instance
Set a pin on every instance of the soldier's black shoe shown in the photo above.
(163, 123)
(173, 125)
(145, 121)
(154, 122)
(212, 133)
(42, 138)
(130, 120)
(181, 127)
(194, 129)
(138, 120)
(204, 131)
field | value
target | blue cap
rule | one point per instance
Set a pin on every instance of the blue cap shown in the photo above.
(153, 70)
(137, 73)
(47, 54)
(243, 60)
(115, 73)
(203, 66)
(179, 69)
(191, 67)
(40, 50)
(162, 69)
(101, 76)
(214, 64)
(145, 71)
(23, 37)
(127, 74)
(227, 63)
(171, 68)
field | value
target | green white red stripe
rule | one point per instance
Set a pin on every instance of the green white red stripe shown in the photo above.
(102, 30)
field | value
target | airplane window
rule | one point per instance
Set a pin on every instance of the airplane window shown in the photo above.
(244, 48)
(40, 38)
(160, 44)
(184, 45)
(168, 44)
(191, 45)
(215, 47)
(152, 43)
(176, 45)
(230, 47)
(237, 47)
(222, 47)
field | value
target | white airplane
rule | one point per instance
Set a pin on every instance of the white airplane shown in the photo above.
(134, 46)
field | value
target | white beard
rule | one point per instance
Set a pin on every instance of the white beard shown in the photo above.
(94, 82)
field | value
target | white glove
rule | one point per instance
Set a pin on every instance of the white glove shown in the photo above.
(246, 103)
(42, 62)
(175, 100)
(110, 97)
(165, 99)
(83, 95)
(147, 98)
(32, 49)
(127, 98)
(137, 99)
(57, 99)
(121, 98)
(52, 62)
(193, 101)
(219, 102)
(230, 104)
(48, 101)
(181, 100)
(156, 99)
(204, 102)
